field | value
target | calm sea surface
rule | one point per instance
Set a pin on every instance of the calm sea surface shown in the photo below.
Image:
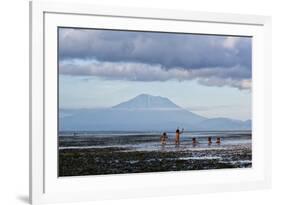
(150, 141)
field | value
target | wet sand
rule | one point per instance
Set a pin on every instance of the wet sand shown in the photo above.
(118, 160)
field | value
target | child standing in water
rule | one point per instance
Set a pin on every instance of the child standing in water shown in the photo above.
(163, 138)
(209, 140)
(218, 140)
(178, 136)
(194, 141)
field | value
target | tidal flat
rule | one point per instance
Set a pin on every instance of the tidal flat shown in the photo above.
(114, 160)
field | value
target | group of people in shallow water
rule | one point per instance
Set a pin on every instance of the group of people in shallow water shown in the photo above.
(164, 138)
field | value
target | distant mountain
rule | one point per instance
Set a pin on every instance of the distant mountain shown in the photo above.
(145, 101)
(143, 113)
(225, 124)
(248, 123)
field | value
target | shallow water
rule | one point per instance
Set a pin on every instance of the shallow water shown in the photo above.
(150, 141)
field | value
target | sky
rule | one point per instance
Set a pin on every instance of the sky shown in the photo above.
(206, 74)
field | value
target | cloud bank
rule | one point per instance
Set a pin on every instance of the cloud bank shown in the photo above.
(147, 56)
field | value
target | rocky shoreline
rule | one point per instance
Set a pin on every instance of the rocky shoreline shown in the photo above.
(116, 160)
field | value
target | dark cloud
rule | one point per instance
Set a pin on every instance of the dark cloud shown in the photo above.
(147, 56)
(169, 50)
(146, 72)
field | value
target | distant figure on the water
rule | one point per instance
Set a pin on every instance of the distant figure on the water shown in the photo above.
(178, 132)
(218, 140)
(163, 138)
(194, 141)
(209, 140)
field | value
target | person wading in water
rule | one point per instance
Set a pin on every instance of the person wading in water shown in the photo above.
(178, 136)
(163, 138)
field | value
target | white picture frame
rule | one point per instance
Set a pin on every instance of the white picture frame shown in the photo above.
(46, 187)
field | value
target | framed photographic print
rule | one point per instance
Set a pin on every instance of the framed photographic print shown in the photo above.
(128, 102)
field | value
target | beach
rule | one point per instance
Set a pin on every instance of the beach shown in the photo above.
(89, 153)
